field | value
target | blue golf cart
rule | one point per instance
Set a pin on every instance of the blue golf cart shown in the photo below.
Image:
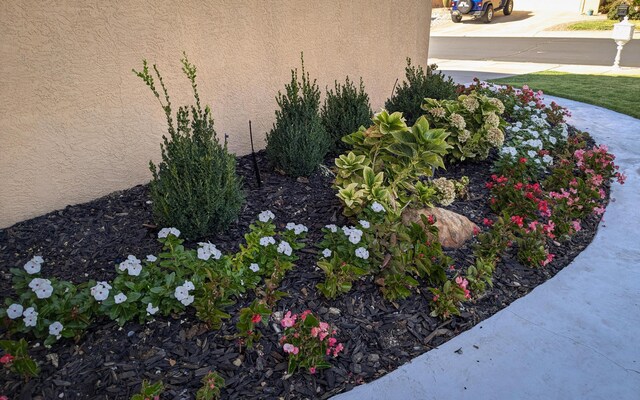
(483, 9)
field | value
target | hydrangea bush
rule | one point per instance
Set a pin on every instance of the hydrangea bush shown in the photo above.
(473, 121)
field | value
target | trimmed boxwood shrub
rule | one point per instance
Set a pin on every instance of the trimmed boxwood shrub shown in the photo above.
(298, 141)
(195, 188)
(420, 84)
(344, 111)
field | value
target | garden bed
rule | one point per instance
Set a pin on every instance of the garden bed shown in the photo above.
(85, 242)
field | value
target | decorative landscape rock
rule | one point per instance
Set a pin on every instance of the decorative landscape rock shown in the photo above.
(455, 229)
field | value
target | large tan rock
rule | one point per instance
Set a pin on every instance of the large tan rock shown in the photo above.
(455, 229)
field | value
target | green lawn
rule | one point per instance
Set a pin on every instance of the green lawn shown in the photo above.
(598, 25)
(615, 92)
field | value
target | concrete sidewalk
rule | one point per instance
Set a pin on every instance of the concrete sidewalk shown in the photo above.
(463, 71)
(573, 337)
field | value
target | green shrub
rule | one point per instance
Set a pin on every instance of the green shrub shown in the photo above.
(611, 9)
(195, 188)
(298, 141)
(345, 111)
(419, 85)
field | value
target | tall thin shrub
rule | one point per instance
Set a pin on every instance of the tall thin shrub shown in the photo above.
(418, 85)
(298, 141)
(195, 187)
(344, 111)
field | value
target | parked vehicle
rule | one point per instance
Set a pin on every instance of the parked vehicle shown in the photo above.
(483, 9)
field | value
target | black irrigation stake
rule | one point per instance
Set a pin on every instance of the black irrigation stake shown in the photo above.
(394, 88)
(255, 160)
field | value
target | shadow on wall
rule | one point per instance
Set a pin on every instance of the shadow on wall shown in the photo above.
(501, 19)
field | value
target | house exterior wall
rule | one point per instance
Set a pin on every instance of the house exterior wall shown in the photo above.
(76, 123)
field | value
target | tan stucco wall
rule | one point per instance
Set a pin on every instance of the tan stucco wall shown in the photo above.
(76, 123)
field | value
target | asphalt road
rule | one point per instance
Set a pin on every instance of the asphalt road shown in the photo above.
(537, 50)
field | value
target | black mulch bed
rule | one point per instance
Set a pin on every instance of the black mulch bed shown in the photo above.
(109, 362)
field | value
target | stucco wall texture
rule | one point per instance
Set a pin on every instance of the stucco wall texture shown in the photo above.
(76, 123)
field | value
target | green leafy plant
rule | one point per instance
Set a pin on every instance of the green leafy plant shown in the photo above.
(480, 275)
(298, 141)
(195, 188)
(344, 111)
(149, 391)
(387, 163)
(211, 385)
(447, 298)
(308, 341)
(248, 321)
(473, 121)
(16, 358)
(47, 308)
(418, 85)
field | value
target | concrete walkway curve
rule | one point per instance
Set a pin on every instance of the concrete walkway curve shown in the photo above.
(573, 337)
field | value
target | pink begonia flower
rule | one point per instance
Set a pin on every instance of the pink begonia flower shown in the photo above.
(598, 210)
(4, 398)
(304, 314)
(256, 318)
(289, 320)
(312, 370)
(548, 259)
(315, 331)
(7, 358)
(332, 341)
(576, 225)
(338, 349)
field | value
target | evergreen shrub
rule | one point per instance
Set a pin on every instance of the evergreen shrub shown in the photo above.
(195, 187)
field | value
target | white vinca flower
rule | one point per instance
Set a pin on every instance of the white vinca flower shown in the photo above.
(267, 240)
(120, 298)
(547, 159)
(266, 216)
(100, 291)
(55, 329)
(15, 311)
(363, 253)
(326, 253)
(132, 265)
(296, 228)
(208, 250)
(553, 140)
(254, 267)
(189, 285)
(509, 150)
(151, 258)
(532, 153)
(151, 310)
(284, 248)
(41, 287)
(377, 207)
(34, 265)
(180, 293)
(364, 224)
(187, 300)
(165, 232)
(30, 317)
(333, 228)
